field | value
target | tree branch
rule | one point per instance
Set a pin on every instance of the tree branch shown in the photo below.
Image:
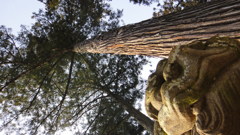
(67, 87)
(94, 120)
(40, 85)
(109, 122)
(39, 64)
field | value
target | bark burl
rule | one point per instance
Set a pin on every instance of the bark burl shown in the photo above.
(196, 91)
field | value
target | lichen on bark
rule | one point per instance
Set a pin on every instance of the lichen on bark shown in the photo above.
(196, 90)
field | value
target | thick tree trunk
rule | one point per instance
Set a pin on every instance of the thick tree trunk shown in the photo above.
(200, 91)
(143, 120)
(156, 36)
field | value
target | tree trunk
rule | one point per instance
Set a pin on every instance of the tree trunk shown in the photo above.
(156, 36)
(143, 120)
(200, 94)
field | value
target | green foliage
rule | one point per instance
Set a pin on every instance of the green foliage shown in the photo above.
(64, 23)
(119, 74)
(45, 87)
(170, 6)
(52, 102)
(144, 2)
(111, 119)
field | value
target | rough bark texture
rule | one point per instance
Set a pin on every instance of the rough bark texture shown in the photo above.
(196, 90)
(156, 36)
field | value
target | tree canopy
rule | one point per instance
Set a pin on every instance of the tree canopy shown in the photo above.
(170, 6)
(46, 87)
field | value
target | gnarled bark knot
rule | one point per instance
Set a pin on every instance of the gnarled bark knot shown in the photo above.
(196, 91)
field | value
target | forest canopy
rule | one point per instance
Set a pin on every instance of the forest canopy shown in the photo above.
(45, 86)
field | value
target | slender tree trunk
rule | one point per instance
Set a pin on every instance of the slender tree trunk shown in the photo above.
(143, 120)
(156, 36)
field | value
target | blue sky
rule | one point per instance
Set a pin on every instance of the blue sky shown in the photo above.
(133, 13)
(13, 13)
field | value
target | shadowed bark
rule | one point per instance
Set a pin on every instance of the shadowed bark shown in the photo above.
(200, 92)
(156, 36)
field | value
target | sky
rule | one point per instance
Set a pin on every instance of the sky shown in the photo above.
(133, 13)
(14, 13)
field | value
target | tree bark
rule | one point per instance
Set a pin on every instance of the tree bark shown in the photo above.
(200, 92)
(157, 36)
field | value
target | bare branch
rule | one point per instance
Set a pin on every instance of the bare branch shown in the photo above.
(67, 88)
(28, 70)
(40, 85)
(94, 120)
